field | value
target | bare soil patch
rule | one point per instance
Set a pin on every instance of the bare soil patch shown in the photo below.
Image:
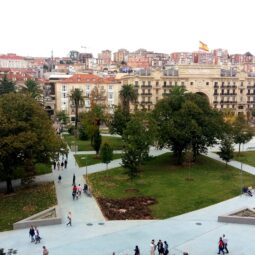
(134, 208)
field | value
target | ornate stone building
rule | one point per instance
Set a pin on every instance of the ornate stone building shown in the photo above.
(224, 88)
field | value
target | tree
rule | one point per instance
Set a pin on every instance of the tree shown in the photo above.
(106, 154)
(185, 119)
(137, 137)
(6, 86)
(119, 121)
(242, 132)
(96, 141)
(226, 149)
(62, 117)
(127, 95)
(33, 89)
(78, 101)
(26, 136)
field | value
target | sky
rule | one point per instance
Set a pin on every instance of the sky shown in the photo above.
(36, 27)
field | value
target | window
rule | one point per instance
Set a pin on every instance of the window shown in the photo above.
(136, 83)
(215, 83)
(222, 84)
(149, 83)
(110, 87)
(241, 91)
(87, 87)
(182, 83)
(64, 88)
(64, 95)
(164, 83)
(157, 83)
(110, 95)
(191, 83)
(207, 83)
(143, 83)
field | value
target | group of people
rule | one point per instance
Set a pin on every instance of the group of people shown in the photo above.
(57, 165)
(162, 247)
(76, 191)
(223, 245)
(34, 235)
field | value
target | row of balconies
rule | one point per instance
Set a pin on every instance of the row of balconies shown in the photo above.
(225, 94)
(225, 86)
(224, 102)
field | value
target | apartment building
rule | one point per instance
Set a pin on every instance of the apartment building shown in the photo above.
(95, 89)
(13, 61)
(224, 88)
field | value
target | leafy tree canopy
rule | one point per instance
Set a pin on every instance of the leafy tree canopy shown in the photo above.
(6, 86)
(26, 133)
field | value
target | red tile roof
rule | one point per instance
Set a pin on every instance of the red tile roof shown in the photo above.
(89, 78)
(11, 56)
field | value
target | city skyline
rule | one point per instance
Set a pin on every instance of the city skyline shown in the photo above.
(37, 28)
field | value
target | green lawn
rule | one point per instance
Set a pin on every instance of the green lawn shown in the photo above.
(83, 159)
(115, 142)
(42, 168)
(24, 203)
(177, 189)
(247, 157)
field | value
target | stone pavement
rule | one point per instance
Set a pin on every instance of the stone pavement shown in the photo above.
(195, 232)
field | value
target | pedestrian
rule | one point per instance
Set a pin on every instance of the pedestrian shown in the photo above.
(69, 218)
(54, 165)
(225, 242)
(221, 246)
(32, 234)
(59, 178)
(62, 165)
(58, 165)
(74, 191)
(37, 236)
(160, 247)
(166, 251)
(152, 247)
(73, 179)
(65, 163)
(45, 251)
(79, 189)
(137, 251)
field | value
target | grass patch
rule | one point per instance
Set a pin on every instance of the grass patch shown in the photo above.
(177, 189)
(115, 142)
(24, 203)
(90, 159)
(247, 157)
(41, 168)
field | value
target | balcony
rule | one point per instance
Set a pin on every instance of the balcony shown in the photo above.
(146, 94)
(146, 102)
(146, 86)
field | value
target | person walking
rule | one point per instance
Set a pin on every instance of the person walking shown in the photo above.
(54, 165)
(160, 247)
(225, 242)
(74, 191)
(58, 165)
(221, 246)
(166, 251)
(62, 165)
(152, 247)
(45, 251)
(59, 179)
(137, 251)
(37, 236)
(69, 218)
(32, 234)
(65, 163)
(73, 179)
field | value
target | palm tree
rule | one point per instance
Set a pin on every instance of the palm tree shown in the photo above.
(33, 88)
(78, 101)
(127, 95)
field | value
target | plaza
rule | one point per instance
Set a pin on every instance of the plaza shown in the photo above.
(195, 232)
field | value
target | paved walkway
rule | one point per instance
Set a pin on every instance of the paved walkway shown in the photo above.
(196, 232)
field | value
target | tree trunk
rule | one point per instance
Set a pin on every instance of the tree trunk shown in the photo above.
(76, 115)
(9, 188)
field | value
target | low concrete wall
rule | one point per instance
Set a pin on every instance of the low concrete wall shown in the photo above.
(36, 221)
(230, 218)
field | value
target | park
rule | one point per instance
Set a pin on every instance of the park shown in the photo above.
(166, 174)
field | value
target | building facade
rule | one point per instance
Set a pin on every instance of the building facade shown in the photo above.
(228, 88)
(96, 91)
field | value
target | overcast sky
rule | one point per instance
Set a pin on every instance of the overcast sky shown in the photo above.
(35, 27)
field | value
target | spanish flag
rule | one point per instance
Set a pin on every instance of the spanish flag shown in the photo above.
(203, 46)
